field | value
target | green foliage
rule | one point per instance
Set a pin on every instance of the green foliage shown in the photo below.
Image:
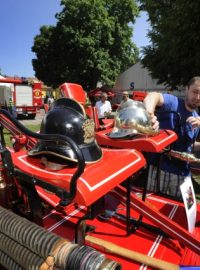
(173, 55)
(90, 43)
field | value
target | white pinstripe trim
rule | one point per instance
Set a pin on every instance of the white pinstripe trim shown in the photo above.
(102, 182)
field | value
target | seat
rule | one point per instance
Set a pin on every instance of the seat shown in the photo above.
(92, 113)
(97, 179)
(74, 91)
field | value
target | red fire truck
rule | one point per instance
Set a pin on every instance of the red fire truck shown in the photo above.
(26, 95)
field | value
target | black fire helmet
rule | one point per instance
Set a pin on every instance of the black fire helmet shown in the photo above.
(67, 117)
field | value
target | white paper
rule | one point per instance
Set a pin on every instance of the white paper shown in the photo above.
(189, 200)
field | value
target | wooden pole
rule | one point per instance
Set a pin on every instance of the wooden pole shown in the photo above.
(129, 254)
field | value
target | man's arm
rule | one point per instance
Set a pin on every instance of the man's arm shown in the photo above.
(151, 101)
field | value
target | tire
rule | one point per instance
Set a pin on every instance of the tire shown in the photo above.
(32, 116)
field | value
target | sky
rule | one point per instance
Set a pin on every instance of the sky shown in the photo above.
(20, 22)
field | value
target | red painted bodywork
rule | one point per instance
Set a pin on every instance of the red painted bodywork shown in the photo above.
(141, 142)
(37, 94)
(114, 231)
(73, 91)
(139, 95)
(104, 179)
(98, 91)
(96, 181)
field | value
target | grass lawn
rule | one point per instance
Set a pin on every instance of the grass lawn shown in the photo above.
(34, 128)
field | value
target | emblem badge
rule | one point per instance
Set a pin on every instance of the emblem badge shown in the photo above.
(88, 128)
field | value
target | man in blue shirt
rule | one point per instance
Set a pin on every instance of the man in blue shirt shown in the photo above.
(174, 172)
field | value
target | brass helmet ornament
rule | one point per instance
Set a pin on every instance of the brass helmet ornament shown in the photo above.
(132, 120)
(67, 117)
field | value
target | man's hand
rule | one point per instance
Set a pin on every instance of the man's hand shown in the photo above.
(194, 121)
(151, 101)
(154, 121)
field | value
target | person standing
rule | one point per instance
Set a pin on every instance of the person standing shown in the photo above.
(104, 108)
(12, 108)
(173, 171)
(50, 100)
(126, 101)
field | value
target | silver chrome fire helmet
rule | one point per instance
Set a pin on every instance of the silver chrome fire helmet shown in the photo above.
(131, 120)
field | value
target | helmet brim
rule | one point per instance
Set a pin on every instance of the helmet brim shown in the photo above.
(122, 133)
(63, 153)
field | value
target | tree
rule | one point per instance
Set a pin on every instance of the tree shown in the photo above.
(173, 56)
(90, 43)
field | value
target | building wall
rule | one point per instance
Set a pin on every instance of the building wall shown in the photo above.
(141, 79)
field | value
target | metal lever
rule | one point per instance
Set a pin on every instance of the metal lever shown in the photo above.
(108, 214)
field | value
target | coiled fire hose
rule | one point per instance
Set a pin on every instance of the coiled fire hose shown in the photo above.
(27, 246)
(8, 262)
(23, 256)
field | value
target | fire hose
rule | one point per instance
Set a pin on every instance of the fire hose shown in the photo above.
(25, 245)
(23, 256)
(8, 262)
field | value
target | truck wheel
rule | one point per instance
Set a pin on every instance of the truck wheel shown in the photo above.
(32, 116)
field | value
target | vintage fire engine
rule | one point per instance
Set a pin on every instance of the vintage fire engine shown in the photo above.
(25, 95)
(68, 200)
